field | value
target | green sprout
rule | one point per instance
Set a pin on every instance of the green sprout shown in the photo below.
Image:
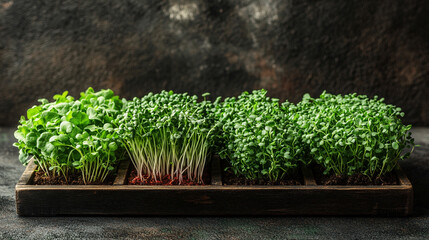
(167, 134)
(354, 134)
(258, 137)
(72, 135)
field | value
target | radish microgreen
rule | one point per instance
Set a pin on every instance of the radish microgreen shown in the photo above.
(167, 134)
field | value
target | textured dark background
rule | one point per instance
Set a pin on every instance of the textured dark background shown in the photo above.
(223, 47)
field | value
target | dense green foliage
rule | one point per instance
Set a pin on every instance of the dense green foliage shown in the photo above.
(167, 134)
(170, 134)
(353, 134)
(258, 136)
(72, 135)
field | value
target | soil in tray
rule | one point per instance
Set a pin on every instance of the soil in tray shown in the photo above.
(133, 179)
(229, 178)
(355, 179)
(40, 178)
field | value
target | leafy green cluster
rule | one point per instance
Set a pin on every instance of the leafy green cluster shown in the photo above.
(173, 134)
(70, 135)
(258, 136)
(167, 134)
(353, 134)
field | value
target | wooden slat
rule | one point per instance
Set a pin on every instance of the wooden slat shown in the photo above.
(28, 174)
(220, 200)
(205, 187)
(216, 199)
(216, 172)
(403, 180)
(308, 176)
(122, 174)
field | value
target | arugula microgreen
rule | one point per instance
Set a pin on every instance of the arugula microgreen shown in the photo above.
(70, 135)
(354, 134)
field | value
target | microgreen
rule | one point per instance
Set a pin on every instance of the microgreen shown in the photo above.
(174, 134)
(258, 136)
(167, 134)
(70, 135)
(353, 134)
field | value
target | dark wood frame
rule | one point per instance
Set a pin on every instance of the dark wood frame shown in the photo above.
(214, 200)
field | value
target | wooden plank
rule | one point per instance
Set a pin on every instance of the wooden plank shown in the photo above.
(403, 180)
(121, 176)
(308, 176)
(216, 199)
(204, 187)
(216, 175)
(28, 174)
(209, 201)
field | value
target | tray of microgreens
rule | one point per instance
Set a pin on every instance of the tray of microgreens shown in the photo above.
(218, 152)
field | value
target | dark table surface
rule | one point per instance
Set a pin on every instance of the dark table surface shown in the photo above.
(414, 227)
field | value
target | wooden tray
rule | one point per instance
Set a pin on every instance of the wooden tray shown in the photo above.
(211, 200)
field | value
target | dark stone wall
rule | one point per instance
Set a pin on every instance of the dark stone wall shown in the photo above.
(224, 47)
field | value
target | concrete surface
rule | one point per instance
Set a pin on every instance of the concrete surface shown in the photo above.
(14, 227)
(224, 47)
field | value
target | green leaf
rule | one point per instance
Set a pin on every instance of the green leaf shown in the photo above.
(33, 111)
(23, 157)
(92, 114)
(91, 128)
(113, 146)
(66, 127)
(79, 118)
(395, 145)
(19, 135)
(43, 140)
(60, 97)
(306, 96)
(49, 116)
(63, 137)
(31, 139)
(53, 139)
(108, 126)
(49, 147)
